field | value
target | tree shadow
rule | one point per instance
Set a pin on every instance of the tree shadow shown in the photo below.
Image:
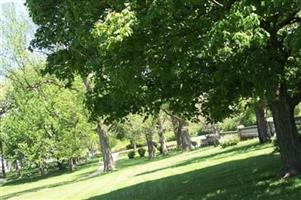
(51, 173)
(54, 173)
(250, 178)
(126, 162)
(79, 178)
(218, 155)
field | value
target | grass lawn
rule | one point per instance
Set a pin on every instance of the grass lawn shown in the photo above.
(245, 171)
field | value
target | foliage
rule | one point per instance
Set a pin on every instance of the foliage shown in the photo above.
(131, 146)
(229, 140)
(131, 154)
(41, 124)
(45, 121)
(141, 152)
(118, 43)
(246, 117)
(208, 57)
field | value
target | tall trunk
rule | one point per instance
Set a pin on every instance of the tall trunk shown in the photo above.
(134, 145)
(262, 127)
(150, 145)
(17, 167)
(42, 168)
(182, 135)
(71, 164)
(287, 135)
(177, 130)
(108, 162)
(186, 142)
(163, 147)
(2, 159)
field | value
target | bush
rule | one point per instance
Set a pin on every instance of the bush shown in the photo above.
(131, 154)
(112, 142)
(130, 146)
(141, 152)
(229, 140)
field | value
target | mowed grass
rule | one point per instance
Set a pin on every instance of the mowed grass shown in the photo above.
(245, 171)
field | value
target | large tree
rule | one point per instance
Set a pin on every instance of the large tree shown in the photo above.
(142, 54)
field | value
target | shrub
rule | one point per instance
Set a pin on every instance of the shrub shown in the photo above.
(112, 142)
(141, 152)
(229, 140)
(131, 154)
(130, 146)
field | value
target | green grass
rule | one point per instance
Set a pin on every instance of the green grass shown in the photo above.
(245, 171)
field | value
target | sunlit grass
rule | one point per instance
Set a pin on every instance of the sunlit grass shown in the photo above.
(245, 171)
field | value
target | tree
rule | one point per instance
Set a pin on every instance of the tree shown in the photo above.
(136, 127)
(181, 132)
(261, 45)
(39, 123)
(108, 162)
(161, 129)
(209, 53)
(131, 129)
(262, 125)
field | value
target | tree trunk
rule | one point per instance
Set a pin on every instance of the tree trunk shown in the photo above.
(163, 147)
(18, 170)
(287, 135)
(150, 146)
(186, 142)
(134, 145)
(2, 159)
(42, 168)
(71, 164)
(108, 162)
(181, 132)
(177, 130)
(262, 127)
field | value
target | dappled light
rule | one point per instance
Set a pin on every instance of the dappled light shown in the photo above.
(156, 99)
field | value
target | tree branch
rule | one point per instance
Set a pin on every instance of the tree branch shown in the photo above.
(217, 3)
(291, 18)
(294, 101)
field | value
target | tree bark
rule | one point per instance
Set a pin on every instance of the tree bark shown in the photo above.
(186, 142)
(163, 147)
(181, 132)
(18, 170)
(108, 163)
(2, 159)
(262, 127)
(287, 135)
(71, 164)
(42, 168)
(177, 130)
(133, 143)
(150, 146)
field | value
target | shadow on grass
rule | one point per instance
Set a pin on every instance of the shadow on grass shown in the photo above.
(251, 178)
(80, 177)
(52, 173)
(126, 162)
(219, 155)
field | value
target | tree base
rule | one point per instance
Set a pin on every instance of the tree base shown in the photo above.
(289, 172)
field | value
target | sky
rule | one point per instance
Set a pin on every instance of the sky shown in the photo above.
(11, 1)
(21, 11)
